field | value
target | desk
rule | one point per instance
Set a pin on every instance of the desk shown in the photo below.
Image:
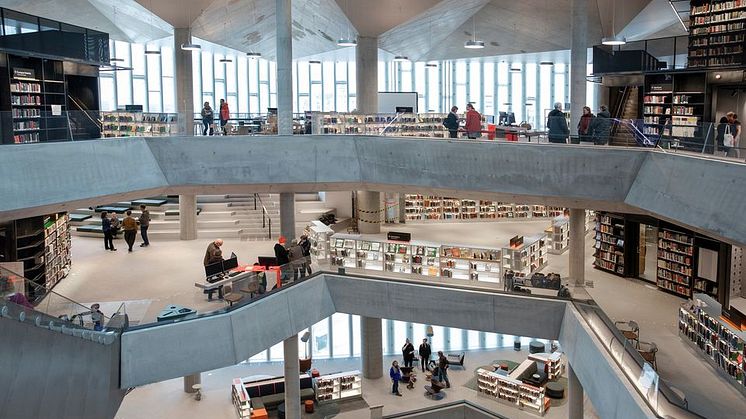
(210, 287)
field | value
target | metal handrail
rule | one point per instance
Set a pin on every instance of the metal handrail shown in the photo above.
(266, 219)
(85, 111)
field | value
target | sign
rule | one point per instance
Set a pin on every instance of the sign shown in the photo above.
(399, 236)
(24, 73)
(56, 110)
(133, 108)
(661, 87)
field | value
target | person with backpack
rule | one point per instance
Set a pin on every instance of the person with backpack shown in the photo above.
(451, 123)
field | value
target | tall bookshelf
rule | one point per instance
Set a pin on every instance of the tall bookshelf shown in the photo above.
(675, 267)
(717, 36)
(431, 208)
(57, 248)
(609, 245)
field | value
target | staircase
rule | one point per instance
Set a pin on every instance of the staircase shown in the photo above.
(622, 133)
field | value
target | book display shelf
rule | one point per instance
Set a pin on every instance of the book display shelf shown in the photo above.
(240, 398)
(717, 33)
(429, 208)
(609, 245)
(342, 250)
(716, 340)
(57, 248)
(512, 391)
(675, 262)
(408, 125)
(339, 386)
(138, 124)
(318, 234)
(425, 260)
(552, 363)
(527, 255)
(560, 235)
(472, 263)
(397, 257)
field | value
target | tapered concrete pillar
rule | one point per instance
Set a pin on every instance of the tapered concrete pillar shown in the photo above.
(371, 347)
(577, 247)
(184, 89)
(366, 68)
(287, 215)
(369, 214)
(292, 377)
(283, 22)
(578, 60)
(188, 217)
(575, 394)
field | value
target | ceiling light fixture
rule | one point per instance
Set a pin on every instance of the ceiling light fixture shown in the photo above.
(431, 65)
(226, 60)
(314, 62)
(474, 43)
(190, 46)
(151, 51)
(348, 41)
(614, 39)
(546, 63)
(252, 55)
(401, 58)
(515, 70)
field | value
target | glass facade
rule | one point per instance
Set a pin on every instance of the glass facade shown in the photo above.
(249, 87)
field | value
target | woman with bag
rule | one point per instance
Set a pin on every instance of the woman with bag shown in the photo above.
(732, 135)
(720, 135)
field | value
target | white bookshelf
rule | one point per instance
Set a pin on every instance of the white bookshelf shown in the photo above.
(318, 235)
(555, 367)
(507, 389)
(342, 250)
(471, 263)
(528, 257)
(560, 235)
(339, 386)
(241, 399)
(370, 254)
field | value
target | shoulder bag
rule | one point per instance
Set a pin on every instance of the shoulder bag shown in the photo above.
(728, 139)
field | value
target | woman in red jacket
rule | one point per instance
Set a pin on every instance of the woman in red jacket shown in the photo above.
(473, 122)
(585, 124)
(224, 115)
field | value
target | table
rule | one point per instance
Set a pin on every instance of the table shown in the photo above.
(555, 390)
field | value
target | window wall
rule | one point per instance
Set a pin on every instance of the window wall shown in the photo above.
(527, 89)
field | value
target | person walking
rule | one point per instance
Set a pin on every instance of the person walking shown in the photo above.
(442, 369)
(395, 374)
(208, 118)
(473, 122)
(224, 115)
(601, 126)
(425, 351)
(144, 221)
(451, 123)
(557, 125)
(732, 135)
(106, 228)
(130, 229)
(585, 125)
(407, 352)
(305, 244)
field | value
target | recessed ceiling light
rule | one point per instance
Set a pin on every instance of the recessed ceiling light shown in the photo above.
(191, 47)
(546, 63)
(614, 41)
(346, 42)
(253, 54)
(401, 58)
(474, 44)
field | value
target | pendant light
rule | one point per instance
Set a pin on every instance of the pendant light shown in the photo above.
(349, 41)
(430, 44)
(401, 58)
(546, 63)
(190, 46)
(253, 55)
(151, 51)
(474, 43)
(431, 65)
(225, 60)
(614, 39)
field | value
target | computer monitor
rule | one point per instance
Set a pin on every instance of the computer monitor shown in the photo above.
(214, 269)
(267, 261)
(231, 263)
(503, 118)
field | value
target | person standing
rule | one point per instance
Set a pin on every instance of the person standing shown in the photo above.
(451, 123)
(208, 118)
(213, 253)
(305, 244)
(720, 134)
(425, 351)
(442, 367)
(585, 125)
(395, 374)
(144, 221)
(106, 228)
(601, 126)
(115, 225)
(473, 122)
(130, 229)
(282, 257)
(224, 115)
(734, 126)
(407, 352)
(295, 254)
(557, 125)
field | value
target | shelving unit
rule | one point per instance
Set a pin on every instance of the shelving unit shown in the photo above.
(339, 386)
(512, 391)
(138, 124)
(471, 263)
(397, 257)
(370, 255)
(675, 262)
(528, 257)
(425, 259)
(717, 33)
(342, 250)
(57, 248)
(609, 246)
(560, 235)
(241, 399)
(721, 344)
(429, 208)
(553, 363)
(25, 104)
(318, 235)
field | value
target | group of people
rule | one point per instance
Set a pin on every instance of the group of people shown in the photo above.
(472, 123)
(111, 225)
(591, 128)
(439, 370)
(295, 258)
(729, 135)
(208, 117)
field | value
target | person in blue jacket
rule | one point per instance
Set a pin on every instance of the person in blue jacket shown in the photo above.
(395, 374)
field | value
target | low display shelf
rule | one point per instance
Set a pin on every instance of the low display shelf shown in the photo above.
(318, 235)
(430, 208)
(241, 399)
(339, 386)
(528, 257)
(137, 124)
(509, 390)
(720, 343)
(560, 234)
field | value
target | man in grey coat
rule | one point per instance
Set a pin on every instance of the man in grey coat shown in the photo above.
(557, 125)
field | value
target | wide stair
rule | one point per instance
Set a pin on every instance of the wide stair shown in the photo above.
(623, 134)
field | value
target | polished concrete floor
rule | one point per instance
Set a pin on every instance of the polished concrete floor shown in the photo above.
(164, 273)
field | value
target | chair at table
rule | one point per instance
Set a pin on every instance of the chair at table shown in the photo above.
(252, 288)
(630, 330)
(231, 297)
(647, 351)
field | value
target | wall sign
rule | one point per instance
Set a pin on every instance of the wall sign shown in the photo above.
(24, 73)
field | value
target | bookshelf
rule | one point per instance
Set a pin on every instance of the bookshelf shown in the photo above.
(609, 245)
(137, 124)
(240, 398)
(527, 257)
(397, 258)
(722, 345)
(342, 250)
(318, 235)
(57, 248)
(717, 33)
(552, 363)
(675, 265)
(432, 208)
(511, 391)
(470, 263)
(425, 259)
(339, 386)
(370, 255)
(560, 235)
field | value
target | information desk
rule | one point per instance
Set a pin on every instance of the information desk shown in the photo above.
(245, 272)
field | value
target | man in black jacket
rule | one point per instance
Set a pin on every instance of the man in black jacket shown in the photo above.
(305, 244)
(557, 125)
(451, 123)
(601, 126)
(425, 352)
(407, 352)
(283, 258)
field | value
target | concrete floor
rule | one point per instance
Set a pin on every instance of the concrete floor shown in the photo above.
(165, 272)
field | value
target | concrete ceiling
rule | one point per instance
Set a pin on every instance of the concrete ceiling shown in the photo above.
(373, 18)
(181, 16)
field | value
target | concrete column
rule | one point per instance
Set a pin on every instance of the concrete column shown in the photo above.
(184, 88)
(578, 60)
(369, 212)
(287, 215)
(577, 247)
(366, 67)
(402, 209)
(575, 394)
(371, 347)
(292, 377)
(283, 26)
(188, 217)
(190, 381)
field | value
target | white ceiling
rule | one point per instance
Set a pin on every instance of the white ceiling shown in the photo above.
(420, 29)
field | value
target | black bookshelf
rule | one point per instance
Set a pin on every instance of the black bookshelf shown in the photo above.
(717, 33)
(609, 246)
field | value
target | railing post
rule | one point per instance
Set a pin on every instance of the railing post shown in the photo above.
(254, 202)
(263, 225)
(270, 230)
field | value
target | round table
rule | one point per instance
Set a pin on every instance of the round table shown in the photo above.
(536, 347)
(555, 390)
